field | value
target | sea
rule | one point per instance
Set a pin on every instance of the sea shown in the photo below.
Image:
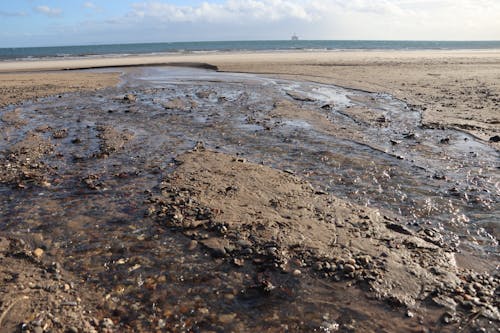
(34, 53)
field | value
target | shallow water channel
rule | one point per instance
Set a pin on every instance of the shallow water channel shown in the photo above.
(363, 147)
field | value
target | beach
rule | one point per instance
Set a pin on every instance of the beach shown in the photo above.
(251, 191)
(459, 89)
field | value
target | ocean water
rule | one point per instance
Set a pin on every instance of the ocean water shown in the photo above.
(225, 46)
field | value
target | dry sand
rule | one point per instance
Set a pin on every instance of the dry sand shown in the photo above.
(15, 88)
(455, 88)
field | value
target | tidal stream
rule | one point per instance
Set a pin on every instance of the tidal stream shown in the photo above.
(367, 148)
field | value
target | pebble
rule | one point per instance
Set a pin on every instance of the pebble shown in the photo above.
(348, 268)
(192, 245)
(161, 323)
(107, 323)
(38, 253)
(130, 97)
(495, 138)
(227, 318)
(296, 272)
(216, 246)
(364, 260)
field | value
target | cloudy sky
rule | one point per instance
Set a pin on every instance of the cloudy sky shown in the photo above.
(74, 22)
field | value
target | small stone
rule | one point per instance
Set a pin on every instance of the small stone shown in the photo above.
(318, 266)
(227, 318)
(448, 318)
(203, 311)
(38, 253)
(410, 314)
(130, 97)
(107, 323)
(239, 262)
(364, 260)
(296, 272)
(348, 268)
(192, 245)
(162, 323)
(72, 329)
(495, 138)
(216, 246)
(445, 302)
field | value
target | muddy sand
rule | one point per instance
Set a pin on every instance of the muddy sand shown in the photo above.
(454, 88)
(186, 200)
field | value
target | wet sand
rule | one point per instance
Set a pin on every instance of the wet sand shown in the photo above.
(459, 89)
(307, 207)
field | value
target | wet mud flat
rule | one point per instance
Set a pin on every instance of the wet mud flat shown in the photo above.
(191, 200)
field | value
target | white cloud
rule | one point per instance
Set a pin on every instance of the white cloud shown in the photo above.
(89, 5)
(162, 20)
(46, 10)
(12, 14)
(229, 11)
(326, 19)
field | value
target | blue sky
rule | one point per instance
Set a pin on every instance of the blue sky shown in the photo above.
(73, 22)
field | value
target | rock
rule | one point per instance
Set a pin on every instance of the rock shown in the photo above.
(448, 318)
(351, 261)
(227, 318)
(130, 97)
(495, 138)
(298, 96)
(318, 266)
(192, 245)
(399, 228)
(179, 104)
(364, 260)
(239, 262)
(244, 243)
(107, 323)
(446, 302)
(162, 323)
(216, 246)
(60, 134)
(38, 253)
(296, 272)
(72, 329)
(348, 268)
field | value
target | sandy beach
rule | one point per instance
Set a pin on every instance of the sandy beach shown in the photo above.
(333, 191)
(459, 89)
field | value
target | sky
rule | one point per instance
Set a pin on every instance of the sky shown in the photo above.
(79, 22)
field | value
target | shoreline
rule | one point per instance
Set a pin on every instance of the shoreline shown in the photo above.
(218, 57)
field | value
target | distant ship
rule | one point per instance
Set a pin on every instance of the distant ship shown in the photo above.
(295, 37)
